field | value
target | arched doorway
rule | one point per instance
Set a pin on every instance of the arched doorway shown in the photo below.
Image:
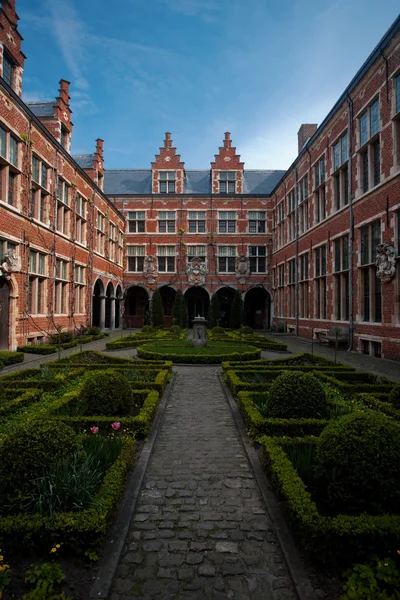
(4, 314)
(118, 298)
(168, 296)
(197, 302)
(225, 296)
(109, 315)
(136, 307)
(257, 308)
(97, 300)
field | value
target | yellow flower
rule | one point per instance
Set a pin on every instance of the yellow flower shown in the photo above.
(1, 557)
(53, 550)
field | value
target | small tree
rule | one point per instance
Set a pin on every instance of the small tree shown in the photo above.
(214, 312)
(157, 310)
(237, 311)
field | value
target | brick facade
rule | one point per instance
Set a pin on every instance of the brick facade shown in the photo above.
(300, 245)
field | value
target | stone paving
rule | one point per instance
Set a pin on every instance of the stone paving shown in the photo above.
(200, 529)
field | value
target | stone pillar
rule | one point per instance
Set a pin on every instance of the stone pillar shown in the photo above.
(112, 313)
(102, 312)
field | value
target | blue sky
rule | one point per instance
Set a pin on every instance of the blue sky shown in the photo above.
(197, 68)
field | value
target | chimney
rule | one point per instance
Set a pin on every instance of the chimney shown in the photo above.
(306, 131)
(167, 141)
(63, 91)
(99, 148)
(227, 140)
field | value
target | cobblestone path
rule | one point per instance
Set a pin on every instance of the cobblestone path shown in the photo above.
(200, 530)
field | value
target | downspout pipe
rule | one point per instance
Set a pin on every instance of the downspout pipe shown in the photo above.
(296, 199)
(351, 220)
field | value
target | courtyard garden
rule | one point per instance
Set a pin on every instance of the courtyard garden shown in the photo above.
(70, 433)
(329, 439)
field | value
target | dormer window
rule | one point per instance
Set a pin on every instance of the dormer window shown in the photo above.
(227, 182)
(8, 68)
(167, 182)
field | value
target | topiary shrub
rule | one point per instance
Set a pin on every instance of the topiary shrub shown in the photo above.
(107, 393)
(394, 396)
(295, 394)
(246, 330)
(29, 451)
(358, 464)
(175, 329)
(93, 330)
(218, 329)
(148, 329)
(64, 337)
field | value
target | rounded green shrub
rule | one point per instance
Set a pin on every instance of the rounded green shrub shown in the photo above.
(29, 451)
(175, 329)
(246, 330)
(93, 330)
(358, 464)
(148, 329)
(218, 329)
(107, 393)
(295, 394)
(394, 396)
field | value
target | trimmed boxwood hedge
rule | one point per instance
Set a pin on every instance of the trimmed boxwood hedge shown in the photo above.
(53, 348)
(78, 530)
(257, 425)
(381, 385)
(10, 358)
(78, 359)
(138, 425)
(371, 401)
(341, 540)
(21, 399)
(250, 353)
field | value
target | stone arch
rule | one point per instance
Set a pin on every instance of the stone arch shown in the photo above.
(197, 301)
(118, 304)
(136, 307)
(225, 295)
(257, 307)
(109, 306)
(167, 293)
(98, 305)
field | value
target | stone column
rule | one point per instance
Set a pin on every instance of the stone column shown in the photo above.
(102, 312)
(112, 313)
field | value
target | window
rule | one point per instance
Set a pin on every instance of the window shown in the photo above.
(256, 221)
(303, 286)
(320, 282)
(167, 182)
(166, 221)
(227, 221)
(303, 189)
(303, 217)
(63, 210)
(370, 150)
(281, 290)
(8, 69)
(64, 137)
(258, 259)
(196, 251)
(39, 193)
(136, 221)
(80, 289)
(319, 193)
(166, 259)
(136, 256)
(397, 94)
(197, 221)
(61, 287)
(37, 274)
(398, 232)
(227, 182)
(279, 220)
(100, 236)
(8, 167)
(341, 279)
(226, 259)
(291, 215)
(112, 242)
(291, 288)
(371, 293)
(341, 172)
(80, 220)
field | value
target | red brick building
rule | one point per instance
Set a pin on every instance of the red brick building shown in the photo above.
(310, 249)
(336, 215)
(61, 239)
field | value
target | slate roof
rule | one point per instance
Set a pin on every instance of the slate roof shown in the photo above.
(138, 181)
(85, 161)
(42, 109)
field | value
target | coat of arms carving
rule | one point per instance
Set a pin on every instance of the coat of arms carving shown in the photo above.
(385, 262)
(11, 264)
(150, 270)
(242, 268)
(196, 271)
